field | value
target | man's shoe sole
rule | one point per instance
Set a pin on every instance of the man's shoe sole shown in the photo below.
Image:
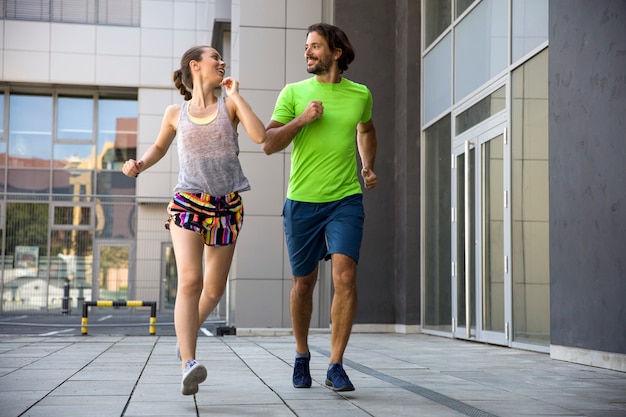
(344, 388)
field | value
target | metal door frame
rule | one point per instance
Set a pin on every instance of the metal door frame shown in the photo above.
(473, 139)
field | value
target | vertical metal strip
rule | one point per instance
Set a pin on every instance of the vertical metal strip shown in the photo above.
(467, 239)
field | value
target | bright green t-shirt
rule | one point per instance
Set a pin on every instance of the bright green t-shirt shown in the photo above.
(323, 159)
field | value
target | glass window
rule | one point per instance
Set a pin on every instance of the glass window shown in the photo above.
(460, 6)
(481, 111)
(480, 50)
(530, 208)
(30, 131)
(117, 132)
(1, 116)
(75, 248)
(437, 18)
(3, 155)
(111, 183)
(529, 26)
(75, 118)
(437, 228)
(119, 12)
(74, 11)
(113, 274)
(72, 215)
(115, 220)
(26, 246)
(28, 181)
(438, 79)
(104, 12)
(27, 10)
(75, 182)
(74, 156)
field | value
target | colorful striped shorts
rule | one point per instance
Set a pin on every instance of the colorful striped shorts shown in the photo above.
(217, 219)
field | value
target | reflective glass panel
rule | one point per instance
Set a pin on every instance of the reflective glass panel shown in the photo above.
(437, 232)
(492, 218)
(117, 132)
(171, 277)
(30, 130)
(74, 248)
(529, 26)
(1, 116)
(115, 220)
(115, 183)
(28, 181)
(25, 261)
(74, 156)
(466, 256)
(438, 79)
(3, 154)
(74, 182)
(75, 118)
(72, 215)
(481, 111)
(530, 209)
(460, 6)
(437, 18)
(480, 50)
(113, 273)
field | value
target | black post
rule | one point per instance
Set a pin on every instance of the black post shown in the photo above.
(65, 304)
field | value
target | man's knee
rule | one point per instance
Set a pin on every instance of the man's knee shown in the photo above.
(304, 286)
(344, 271)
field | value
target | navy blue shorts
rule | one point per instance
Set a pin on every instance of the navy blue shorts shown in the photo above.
(314, 231)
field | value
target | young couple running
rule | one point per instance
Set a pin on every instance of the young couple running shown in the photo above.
(323, 213)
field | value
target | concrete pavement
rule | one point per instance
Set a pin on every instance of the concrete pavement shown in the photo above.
(394, 375)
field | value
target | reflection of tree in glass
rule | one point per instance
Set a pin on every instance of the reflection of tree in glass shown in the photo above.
(26, 225)
(112, 257)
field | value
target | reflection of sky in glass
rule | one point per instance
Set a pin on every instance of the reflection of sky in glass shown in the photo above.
(108, 112)
(30, 125)
(75, 120)
(1, 116)
(81, 156)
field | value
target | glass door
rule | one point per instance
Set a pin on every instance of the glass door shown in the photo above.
(481, 281)
(113, 271)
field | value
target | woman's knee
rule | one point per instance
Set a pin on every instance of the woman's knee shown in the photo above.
(189, 284)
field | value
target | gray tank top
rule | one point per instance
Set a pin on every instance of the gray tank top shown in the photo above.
(208, 155)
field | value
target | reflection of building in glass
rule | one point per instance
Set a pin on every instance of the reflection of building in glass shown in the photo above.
(109, 223)
(84, 189)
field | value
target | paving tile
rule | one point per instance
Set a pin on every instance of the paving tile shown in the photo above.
(395, 375)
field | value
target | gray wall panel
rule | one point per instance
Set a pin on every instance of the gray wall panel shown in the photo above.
(385, 36)
(587, 66)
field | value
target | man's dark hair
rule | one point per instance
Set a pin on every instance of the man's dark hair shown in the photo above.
(337, 39)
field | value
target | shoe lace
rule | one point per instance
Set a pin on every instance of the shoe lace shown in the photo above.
(300, 368)
(338, 372)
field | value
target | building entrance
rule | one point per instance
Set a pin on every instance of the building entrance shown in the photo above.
(481, 284)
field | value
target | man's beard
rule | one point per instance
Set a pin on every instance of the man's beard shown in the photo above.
(321, 66)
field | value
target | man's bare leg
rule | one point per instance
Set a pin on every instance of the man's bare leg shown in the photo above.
(343, 308)
(301, 308)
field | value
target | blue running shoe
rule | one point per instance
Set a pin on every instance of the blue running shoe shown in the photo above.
(301, 373)
(193, 375)
(337, 379)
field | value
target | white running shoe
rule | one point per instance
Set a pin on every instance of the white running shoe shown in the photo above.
(193, 375)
